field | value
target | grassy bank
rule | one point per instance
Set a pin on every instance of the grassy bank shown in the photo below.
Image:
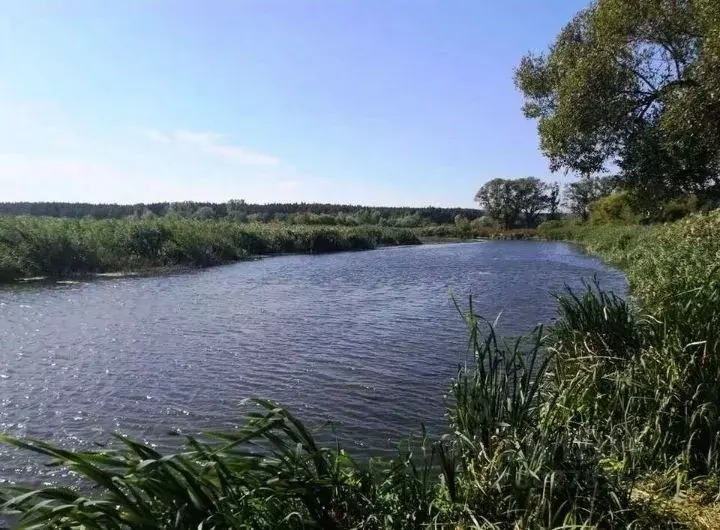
(40, 246)
(608, 420)
(469, 231)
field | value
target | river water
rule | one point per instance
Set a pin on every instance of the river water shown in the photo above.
(367, 341)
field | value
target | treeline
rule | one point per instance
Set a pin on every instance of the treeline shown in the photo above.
(239, 210)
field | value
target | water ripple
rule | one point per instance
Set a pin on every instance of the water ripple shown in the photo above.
(364, 341)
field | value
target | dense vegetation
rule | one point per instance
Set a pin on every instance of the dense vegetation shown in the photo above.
(597, 422)
(239, 210)
(633, 84)
(31, 246)
(522, 202)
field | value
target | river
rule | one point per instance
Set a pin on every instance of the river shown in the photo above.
(367, 341)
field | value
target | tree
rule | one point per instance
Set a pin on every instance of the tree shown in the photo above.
(530, 197)
(182, 209)
(581, 194)
(553, 200)
(205, 212)
(463, 225)
(511, 202)
(236, 209)
(612, 208)
(636, 84)
(495, 197)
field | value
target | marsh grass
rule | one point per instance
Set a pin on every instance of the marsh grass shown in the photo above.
(37, 246)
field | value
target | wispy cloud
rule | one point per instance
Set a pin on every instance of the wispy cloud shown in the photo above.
(48, 153)
(210, 143)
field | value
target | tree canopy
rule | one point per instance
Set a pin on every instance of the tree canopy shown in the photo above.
(512, 202)
(579, 195)
(632, 85)
(239, 210)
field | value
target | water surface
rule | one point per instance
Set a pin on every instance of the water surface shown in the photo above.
(365, 340)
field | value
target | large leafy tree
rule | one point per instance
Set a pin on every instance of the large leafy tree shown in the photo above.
(531, 198)
(634, 84)
(495, 197)
(511, 202)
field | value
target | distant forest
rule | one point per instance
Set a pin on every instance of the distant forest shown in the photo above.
(297, 213)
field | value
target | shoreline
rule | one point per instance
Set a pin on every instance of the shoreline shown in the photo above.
(167, 270)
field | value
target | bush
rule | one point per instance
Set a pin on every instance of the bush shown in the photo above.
(678, 208)
(613, 208)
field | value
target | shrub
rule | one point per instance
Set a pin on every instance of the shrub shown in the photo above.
(615, 207)
(678, 208)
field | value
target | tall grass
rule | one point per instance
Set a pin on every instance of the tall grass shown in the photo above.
(665, 389)
(270, 473)
(33, 246)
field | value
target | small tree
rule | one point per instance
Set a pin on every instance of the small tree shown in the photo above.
(615, 207)
(463, 225)
(236, 209)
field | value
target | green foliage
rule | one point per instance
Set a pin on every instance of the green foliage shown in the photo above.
(678, 208)
(634, 83)
(676, 272)
(513, 202)
(241, 211)
(270, 473)
(610, 240)
(654, 380)
(473, 231)
(603, 323)
(57, 247)
(616, 208)
(463, 226)
(206, 212)
(579, 195)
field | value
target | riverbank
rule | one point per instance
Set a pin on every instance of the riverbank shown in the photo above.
(65, 248)
(34, 248)
(453, 232)
(607, 420)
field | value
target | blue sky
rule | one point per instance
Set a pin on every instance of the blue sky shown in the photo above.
(382, 102)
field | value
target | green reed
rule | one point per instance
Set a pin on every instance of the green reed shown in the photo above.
(33, 246)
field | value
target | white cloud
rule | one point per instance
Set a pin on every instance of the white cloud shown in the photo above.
(153, 135)
(200, 138)
(212, 144)
(49, 153)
